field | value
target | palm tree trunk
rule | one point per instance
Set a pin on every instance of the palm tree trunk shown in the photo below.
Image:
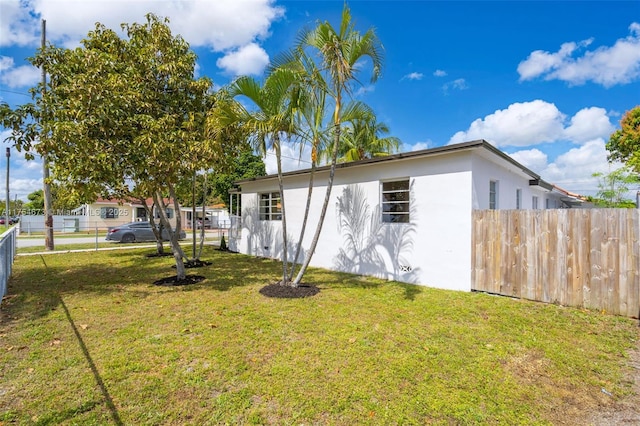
(285, 260)
(327, 196)
(304, 223)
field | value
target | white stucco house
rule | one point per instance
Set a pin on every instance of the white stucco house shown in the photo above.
(404, 217)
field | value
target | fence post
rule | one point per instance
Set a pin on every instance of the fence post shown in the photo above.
(96, 236)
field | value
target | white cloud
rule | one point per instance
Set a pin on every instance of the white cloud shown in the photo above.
(6, 63)
(458, 84)
(249, 59)
(363, 90)
(439, 73)
(22, 76)
(589, 123)
(573, 170)
(290, 159)
(534, 159)
(521, 124)
(16, 26)
(540, 61)
(532, 123)
(23, 187)
(608, 66)
(413, 76)
(222, 25)
(418, 146)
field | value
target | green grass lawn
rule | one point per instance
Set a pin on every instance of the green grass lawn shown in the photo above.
(87, 339)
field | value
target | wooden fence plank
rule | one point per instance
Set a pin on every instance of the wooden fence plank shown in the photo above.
(584, 258)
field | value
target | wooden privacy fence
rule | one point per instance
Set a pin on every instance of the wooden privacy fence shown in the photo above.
(574, 257)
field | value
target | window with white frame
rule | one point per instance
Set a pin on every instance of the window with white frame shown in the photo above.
(518, 198)
(270, 206)
(395, 201)
(534, 202)
(493, 194)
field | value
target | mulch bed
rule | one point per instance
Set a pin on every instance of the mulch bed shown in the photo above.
(278, 290)
(156, 254)
(195, 263)
(173, 281)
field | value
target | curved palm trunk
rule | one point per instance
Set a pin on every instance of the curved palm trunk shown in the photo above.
(304, 223)
(285, 260)
(327, 196)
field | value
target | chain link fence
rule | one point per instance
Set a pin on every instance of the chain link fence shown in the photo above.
(7, 254)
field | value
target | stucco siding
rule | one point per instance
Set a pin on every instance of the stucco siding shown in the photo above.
(433, 249)
(509, 179)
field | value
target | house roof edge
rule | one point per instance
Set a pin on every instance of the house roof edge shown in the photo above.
(474, 144)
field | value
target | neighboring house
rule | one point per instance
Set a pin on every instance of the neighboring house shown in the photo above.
(217, 216)
(104, 213)
(404, 217)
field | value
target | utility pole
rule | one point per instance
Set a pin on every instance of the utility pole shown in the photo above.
(6, 212)
(48, 217)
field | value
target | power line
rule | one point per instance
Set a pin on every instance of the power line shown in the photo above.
(13, 92)
(290, 158)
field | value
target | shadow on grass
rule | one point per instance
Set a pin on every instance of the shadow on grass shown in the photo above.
(337, 280)
(39, 281)
(96, 374)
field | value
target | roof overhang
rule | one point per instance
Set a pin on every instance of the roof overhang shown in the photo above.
(540, 183)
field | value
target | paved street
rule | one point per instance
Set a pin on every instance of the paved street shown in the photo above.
(36, 242)
(61, 240)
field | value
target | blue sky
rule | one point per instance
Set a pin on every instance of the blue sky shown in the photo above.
(545, 81)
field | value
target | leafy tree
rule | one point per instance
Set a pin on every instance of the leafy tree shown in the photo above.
(36, 201)
(612, 188)
(62, 201)
(125, 117)
(624, 144)
(248, 166)
(15, 206)
(218, 182)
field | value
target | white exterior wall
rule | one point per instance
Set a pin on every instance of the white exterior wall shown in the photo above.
(510, 178)
(434, 249)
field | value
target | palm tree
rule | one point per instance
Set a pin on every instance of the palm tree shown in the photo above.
(338, 52)
(363, 139)
(272, 120)
(316, 132)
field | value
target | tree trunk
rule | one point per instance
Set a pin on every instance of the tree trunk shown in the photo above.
(204, 212)
(156, 232)
(178, 254)
(304, 222)
(285, 260)
(327, 196)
